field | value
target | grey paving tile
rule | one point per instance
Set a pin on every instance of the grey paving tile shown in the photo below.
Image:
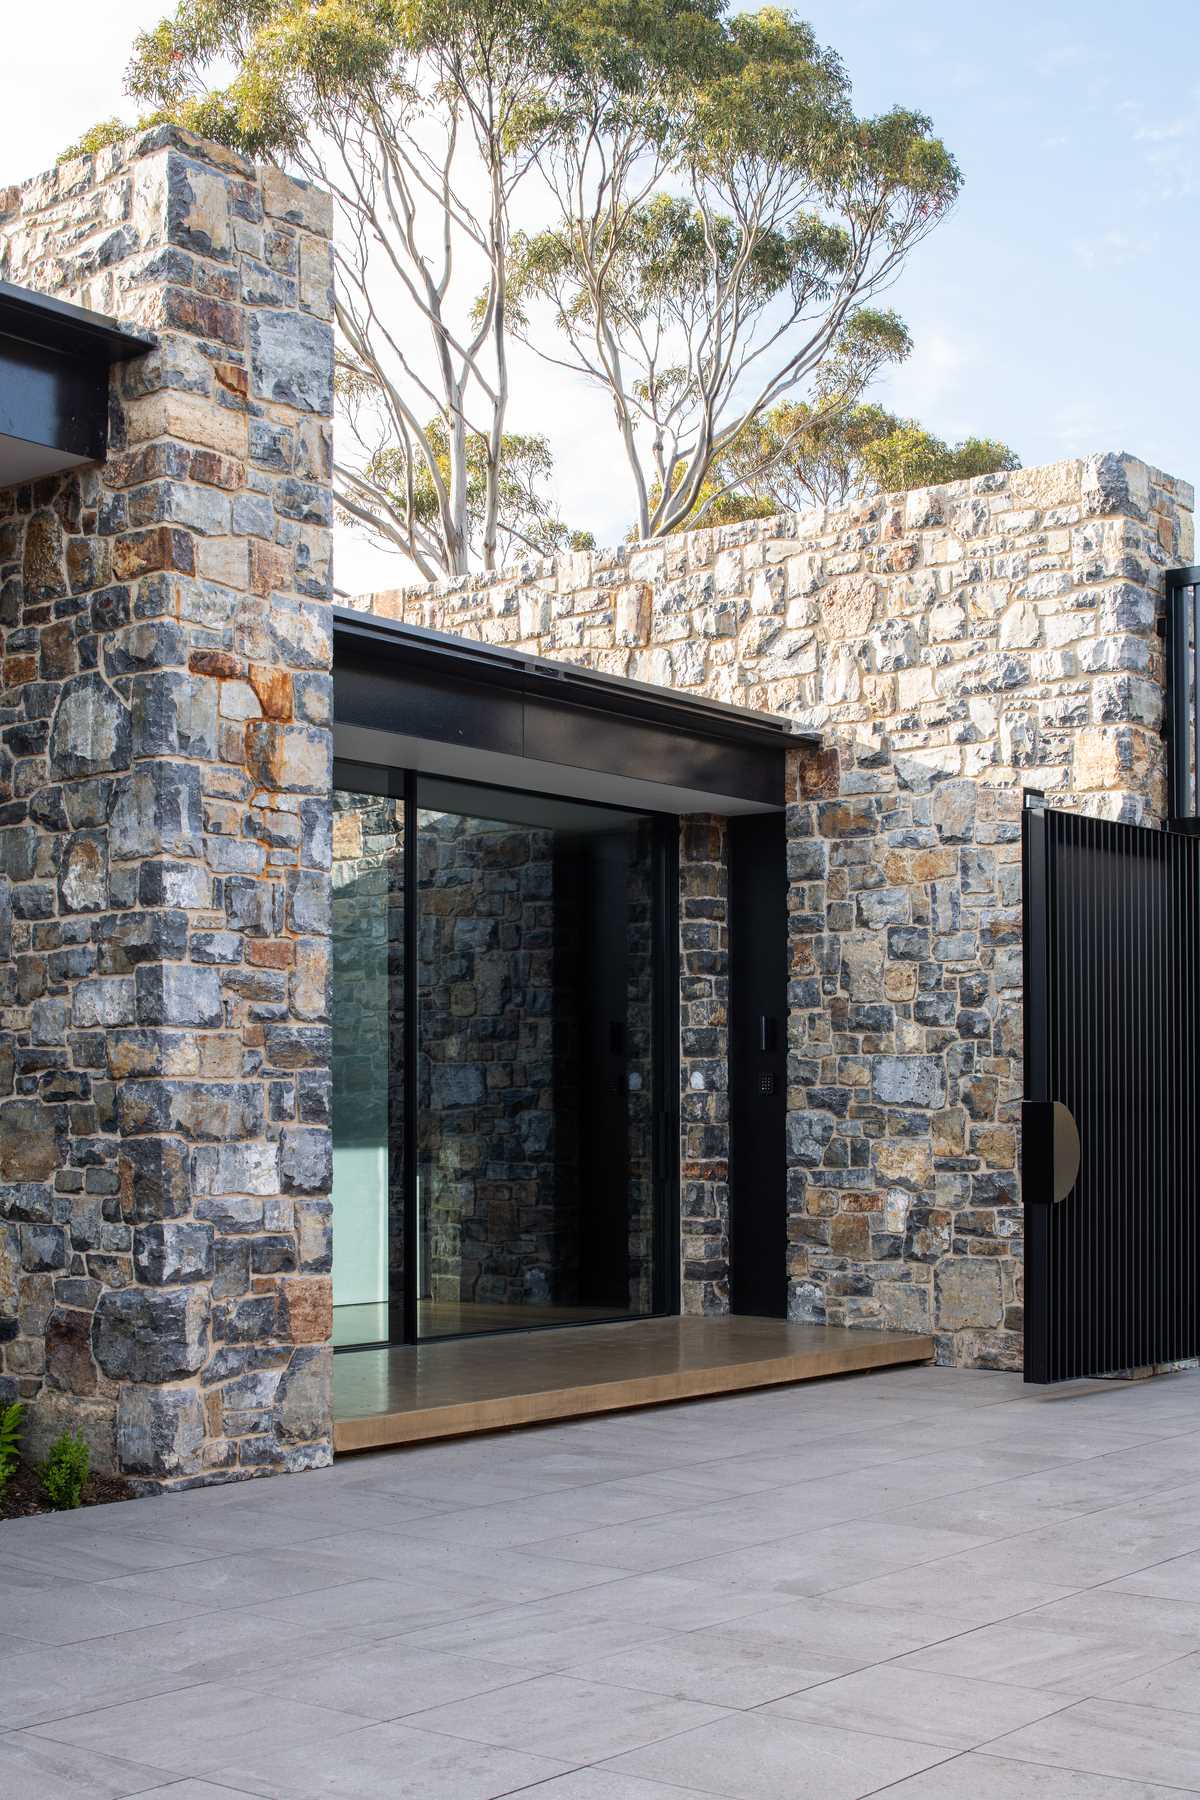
(464, 1572)
(221, 1581)
(1177, 1578)
(65, 1612)
(664, 1543)
(193, 1730)
(564, 1718)
(386, 1680)
(836, 1638)
(983, 1387)
(1022, 1654)
(1031, 1434)
(1113, 1610)
(405, 1478)
(989, 1513)
(748, 1756)
(390, 1762)
(696, 1666)
(977, 1588)
(297, 1517)
(368, 1609)
(1100, 1547)
(602, 1784)
(567, 1467)
(702, 1483)
(41, 1683)
(525, 1523)
(226, 1531)
(654, 1603)
(80, 1555)
(911, 1703)
(983, 1776)
(818, 1560)
(355, 1509)
(1175, 1685)
(34, 1769)
(527, 1638)
(1106, 1737)
(189, 1790)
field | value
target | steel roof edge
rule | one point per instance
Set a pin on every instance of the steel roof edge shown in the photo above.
(569, 682)
(60, 325)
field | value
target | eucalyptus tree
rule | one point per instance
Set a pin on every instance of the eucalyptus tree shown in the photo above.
(707, 228)
(792, 457)
(422, 117)
(723, 227)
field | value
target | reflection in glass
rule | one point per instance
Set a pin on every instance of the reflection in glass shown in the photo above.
(368, 1049)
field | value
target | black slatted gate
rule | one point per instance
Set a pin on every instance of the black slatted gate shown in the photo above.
(1112, 1006)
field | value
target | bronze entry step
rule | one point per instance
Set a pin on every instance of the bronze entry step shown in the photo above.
(409, 1394)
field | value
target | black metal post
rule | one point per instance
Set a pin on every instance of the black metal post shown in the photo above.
(1183, 693)
(1037, 1143)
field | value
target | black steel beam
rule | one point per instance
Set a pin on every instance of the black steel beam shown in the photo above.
(54, 366)
(389, 644)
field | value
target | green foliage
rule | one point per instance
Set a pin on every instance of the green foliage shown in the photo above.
(11, 1419)
(65, 1471)
(908, 457)
(725, 230)
(100, 136)
(713, 223)
(796, 456)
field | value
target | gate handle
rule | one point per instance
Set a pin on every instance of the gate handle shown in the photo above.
(1049, 1152)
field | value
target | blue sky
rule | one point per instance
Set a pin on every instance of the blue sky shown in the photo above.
(1059, 305)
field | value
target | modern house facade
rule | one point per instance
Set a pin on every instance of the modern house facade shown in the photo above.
(625, 934)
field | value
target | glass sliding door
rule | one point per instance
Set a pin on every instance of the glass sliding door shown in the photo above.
(504, 1064)
(535, 1060)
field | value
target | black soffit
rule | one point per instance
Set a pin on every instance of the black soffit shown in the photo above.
(425, 685)
(54, 364)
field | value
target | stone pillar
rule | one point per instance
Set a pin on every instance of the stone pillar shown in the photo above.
(164, 833)
(704, 1063)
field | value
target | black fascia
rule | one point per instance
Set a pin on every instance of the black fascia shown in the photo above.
(450, 690)
(54, 364)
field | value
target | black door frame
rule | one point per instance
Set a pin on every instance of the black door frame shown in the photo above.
(758, 1014)
(353, 776)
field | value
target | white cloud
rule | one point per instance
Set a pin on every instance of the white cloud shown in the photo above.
(1110, 249)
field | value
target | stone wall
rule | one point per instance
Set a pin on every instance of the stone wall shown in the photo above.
(165, 764)
(953, 646)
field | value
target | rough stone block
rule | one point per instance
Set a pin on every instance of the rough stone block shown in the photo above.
(178, 994)
(160, 1431)
(32, 1141)
(149, 1335)
(303, 1401)
(909, 1081)
(175, 1251)
(90, 731)
(305, 1161)
(291, 360)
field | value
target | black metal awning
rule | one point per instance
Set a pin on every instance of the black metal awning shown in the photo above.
(54, 364)
(426, 700)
